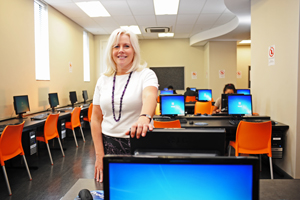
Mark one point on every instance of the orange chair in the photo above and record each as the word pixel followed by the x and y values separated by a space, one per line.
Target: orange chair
pixel 157 109
pixel 203 107
pixel 89 116
pixel 158 99
pixel 10 147
pixel 171 124
pixel 190 98
pixel 50 132
pixel 75 122
pixel 253 138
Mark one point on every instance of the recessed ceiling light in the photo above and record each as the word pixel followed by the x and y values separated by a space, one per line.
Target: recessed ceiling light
pixel 135 29
pixel 166 7
pixel 93 9
pixel 166 35
pixel 245 42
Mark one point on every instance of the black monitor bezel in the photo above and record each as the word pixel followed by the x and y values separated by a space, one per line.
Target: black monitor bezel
pixel 243 89
pixel 70 96
pixel 15 98
pixel 85 95
pixel 222 160
pixel 239 115
pixel 170 115
pixel 198 94
pixel 50 102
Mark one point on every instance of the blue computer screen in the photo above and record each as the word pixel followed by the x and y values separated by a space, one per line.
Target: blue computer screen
pixel 166 92
pixel 172 105
pixel 239 104
pixel 180 181
pixel 193 89
pixel 243 91
pixel 204 95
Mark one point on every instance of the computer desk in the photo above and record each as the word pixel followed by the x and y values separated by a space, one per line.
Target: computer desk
pixel 278 130
pixel 268 189
pixel 30 127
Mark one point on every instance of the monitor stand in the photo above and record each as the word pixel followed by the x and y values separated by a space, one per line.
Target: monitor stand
pixel 20 116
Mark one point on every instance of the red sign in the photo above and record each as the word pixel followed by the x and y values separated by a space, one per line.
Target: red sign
pixel 271 52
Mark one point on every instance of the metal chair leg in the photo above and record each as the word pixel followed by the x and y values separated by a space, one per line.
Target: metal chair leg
pixel 229 151
pixel 49 153
pixel 82 134
pixel 6 180
pixel 260 162
pixel 62 150
pixel 271 167
pixel 75 138
pixel 27 168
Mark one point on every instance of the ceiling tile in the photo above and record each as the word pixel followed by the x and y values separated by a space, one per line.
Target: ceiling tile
pixel 117 7
pixel 98 31
pixel 70 10
pixel 125 20
pixel 166 20
pixel 186 19
pixel 86 22
pixel 106 21
pixel 144 7
pixel 184 28
pixel 181 35
pixel 190 6
pixel 207 18
pixel 147 20
pixel 214 6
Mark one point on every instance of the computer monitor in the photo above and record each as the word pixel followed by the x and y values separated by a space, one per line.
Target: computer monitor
pixel 21 105
pixel 193 89
pixel 73 98
pixel 132 177
pixel 243 91
pixel 166 89
pixel 204 95
pixel 166 92
pixel 239 105
pixel 172 105
pixel 85 96
pixel 181 142
pixel 53 100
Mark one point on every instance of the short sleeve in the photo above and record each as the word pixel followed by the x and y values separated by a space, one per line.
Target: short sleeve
pixel 218 103
pixel 150 79
pixel 96 98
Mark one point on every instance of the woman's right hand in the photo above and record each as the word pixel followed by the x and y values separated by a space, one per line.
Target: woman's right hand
pixel 99 168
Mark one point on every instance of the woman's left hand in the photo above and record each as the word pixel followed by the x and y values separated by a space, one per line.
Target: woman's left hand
pixel 140 128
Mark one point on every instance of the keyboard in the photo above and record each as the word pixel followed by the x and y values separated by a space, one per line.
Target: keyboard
pixel 234 121
pixel 41 116
pixel 85 105
pixel 65 109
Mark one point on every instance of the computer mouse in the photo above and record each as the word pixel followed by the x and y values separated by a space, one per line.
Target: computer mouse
pixel 191 122
pixel 205 114
pixel 85 194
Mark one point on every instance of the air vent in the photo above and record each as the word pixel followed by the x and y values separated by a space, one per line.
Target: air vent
pixel 157 29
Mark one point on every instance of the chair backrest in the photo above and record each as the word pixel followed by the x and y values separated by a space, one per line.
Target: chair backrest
pixel 254 138
pixel 11 142
pixel 190 98
pixel 170 124
pixel 203 107
pixel 50 128
pixel 90 111
pixel 158 99
pixel 75 117
pixel 157 110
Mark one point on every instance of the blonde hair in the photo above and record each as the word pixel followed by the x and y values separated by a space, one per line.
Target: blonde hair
pixel 112 41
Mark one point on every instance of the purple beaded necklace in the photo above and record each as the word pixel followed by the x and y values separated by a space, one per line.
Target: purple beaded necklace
pixel 121 99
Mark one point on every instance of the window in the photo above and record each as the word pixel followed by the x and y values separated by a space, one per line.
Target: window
pixel 86 57
pixel 42 71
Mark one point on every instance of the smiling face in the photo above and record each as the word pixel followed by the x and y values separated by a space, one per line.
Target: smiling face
pixel 123 54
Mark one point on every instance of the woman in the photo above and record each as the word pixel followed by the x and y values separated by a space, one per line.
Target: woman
pixel 124 98
pixel 228 89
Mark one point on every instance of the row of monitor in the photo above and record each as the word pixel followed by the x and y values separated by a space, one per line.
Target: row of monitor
pixel 21 103
pixel 174 105
pixel 205 94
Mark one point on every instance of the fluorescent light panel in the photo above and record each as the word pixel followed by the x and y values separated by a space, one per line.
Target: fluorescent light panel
pixel 93 9
pixel 166 7
pixel 135 29
pixel 166 35
pixel 245 42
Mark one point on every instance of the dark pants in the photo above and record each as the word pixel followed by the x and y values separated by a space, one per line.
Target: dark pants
pixel 116 146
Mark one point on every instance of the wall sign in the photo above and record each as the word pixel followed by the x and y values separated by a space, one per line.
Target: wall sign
pixel 271 55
